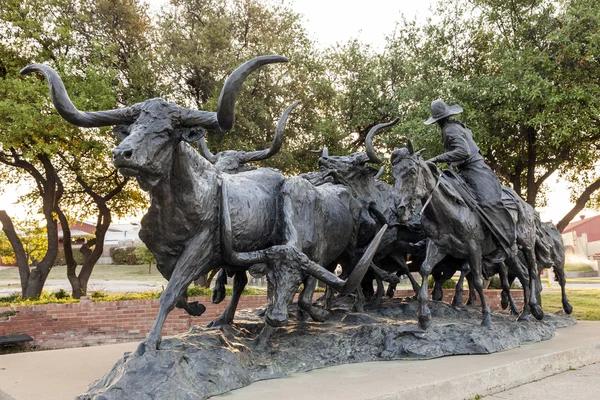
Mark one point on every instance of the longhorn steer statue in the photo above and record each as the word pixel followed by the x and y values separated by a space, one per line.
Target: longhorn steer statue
pixel 182 227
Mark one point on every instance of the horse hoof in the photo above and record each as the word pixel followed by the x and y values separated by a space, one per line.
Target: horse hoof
pixel 514 312
pixel 487 321
pixel 568 308
pixel 523 317
pixel 424 322
pixel 537 312
pixel 302 315
pixel 457 302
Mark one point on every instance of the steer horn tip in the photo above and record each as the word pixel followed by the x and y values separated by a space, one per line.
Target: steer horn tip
pixel 29 69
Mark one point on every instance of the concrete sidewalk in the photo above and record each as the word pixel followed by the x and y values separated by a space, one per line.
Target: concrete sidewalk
pixel 62 374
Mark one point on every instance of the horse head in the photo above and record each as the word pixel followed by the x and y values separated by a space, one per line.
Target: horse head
pixel 414 179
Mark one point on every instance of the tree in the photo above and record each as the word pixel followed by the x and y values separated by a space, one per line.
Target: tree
pixel 201 41
pixel 145 256
pixel 527 74
pixel 62 159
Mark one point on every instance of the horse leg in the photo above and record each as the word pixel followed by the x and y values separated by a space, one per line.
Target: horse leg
pixel 520 271
pixel 457 300
pixel 437 293
pixel 433 257
pixel 534 281
pixel 404 270
pixel 379 292
pixel 472 300
pixel 476 271
pixel 240 281
pixel 503 272
pixel 559 272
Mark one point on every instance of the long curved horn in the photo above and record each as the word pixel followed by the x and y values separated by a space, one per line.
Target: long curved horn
pixel 70 113
pixel 324 152
pixel 258 155
pixel 224 118
pixel 380 172
pixel 357 274
pixel 373 157
pixel 233 257
pixel 205 151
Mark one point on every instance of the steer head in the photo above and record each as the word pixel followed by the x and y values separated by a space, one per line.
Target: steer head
pixel 151 130
pixel 353 167
pixel 232 161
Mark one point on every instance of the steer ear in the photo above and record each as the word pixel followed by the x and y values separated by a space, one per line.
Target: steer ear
pixel 192 134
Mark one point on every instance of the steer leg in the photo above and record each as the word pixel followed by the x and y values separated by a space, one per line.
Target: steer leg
pixel 240 281
pixel 219 292
pixel 193 262
pixel 305 300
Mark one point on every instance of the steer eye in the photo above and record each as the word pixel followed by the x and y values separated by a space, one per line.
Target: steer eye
pixel 121 131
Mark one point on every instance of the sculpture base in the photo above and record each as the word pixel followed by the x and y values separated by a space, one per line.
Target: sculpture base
pixel 205 362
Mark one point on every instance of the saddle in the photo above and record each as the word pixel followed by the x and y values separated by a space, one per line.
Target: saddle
pixel 504 244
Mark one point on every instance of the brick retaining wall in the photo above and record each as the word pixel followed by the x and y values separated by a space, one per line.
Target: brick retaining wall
pixel 88 323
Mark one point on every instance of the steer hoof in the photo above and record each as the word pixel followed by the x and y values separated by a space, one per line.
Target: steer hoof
pixel 319 315
pixel 195 309
pixel 221 321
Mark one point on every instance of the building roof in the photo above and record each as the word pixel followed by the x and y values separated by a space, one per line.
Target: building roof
pixel 589 226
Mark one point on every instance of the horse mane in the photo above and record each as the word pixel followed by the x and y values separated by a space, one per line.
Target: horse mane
pixel 449 190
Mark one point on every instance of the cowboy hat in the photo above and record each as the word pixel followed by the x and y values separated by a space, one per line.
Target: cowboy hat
pixel 440 110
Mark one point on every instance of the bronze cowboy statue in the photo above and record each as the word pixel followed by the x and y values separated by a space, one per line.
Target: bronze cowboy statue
pixel 481 182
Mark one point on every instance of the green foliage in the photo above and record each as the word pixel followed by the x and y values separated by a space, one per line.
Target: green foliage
pixel 527 75
pixel 196 291
pixel 62 296
pixel 61 260
pixel 201 42
pixel 33 237
pixel 7 255
pixel 6 314
pixel 449 284
pixel 126 256
pixel 44 298
pixel 143 255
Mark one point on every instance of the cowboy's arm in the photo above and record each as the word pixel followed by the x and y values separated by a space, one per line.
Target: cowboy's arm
pixel 457 146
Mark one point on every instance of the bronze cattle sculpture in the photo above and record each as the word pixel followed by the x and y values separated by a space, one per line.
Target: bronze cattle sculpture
pixel 182 227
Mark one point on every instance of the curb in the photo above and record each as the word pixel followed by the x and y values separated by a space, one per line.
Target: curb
pixel 512 375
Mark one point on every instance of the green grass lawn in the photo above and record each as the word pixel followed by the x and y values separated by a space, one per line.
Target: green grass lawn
pixel 578 267
pixel 108 272
pixel 586 303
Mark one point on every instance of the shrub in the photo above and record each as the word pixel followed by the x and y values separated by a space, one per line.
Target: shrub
pixel 124 256
pixel 449 284
pixel 62 260
pixel 62 294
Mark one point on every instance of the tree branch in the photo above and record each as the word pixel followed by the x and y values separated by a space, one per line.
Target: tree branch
pixel 579 205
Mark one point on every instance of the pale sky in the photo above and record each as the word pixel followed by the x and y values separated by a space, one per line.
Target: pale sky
pixel 332 21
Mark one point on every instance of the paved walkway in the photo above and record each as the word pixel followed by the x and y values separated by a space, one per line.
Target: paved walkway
pixel 576 384
pixel 62 374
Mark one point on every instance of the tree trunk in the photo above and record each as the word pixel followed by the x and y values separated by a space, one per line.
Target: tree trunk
pixel 531 164
pixel 69 258
pixel 50 188
pixel 579 205
pixel 15 242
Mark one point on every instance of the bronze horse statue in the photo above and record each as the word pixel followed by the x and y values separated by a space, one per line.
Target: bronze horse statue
pixel 454 229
